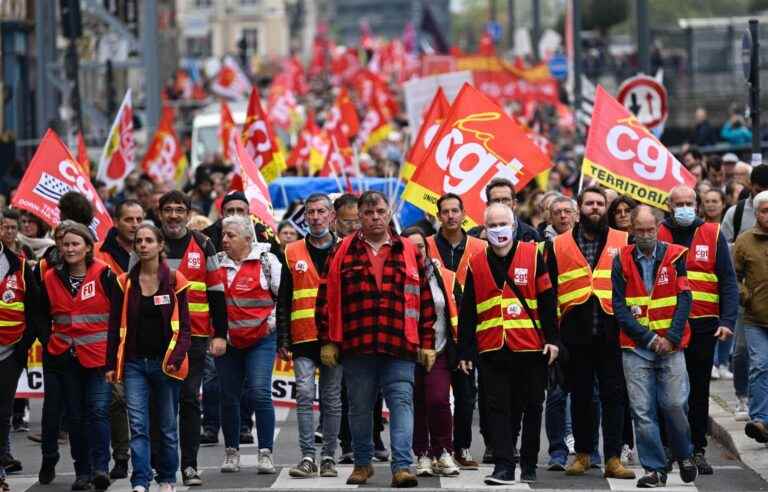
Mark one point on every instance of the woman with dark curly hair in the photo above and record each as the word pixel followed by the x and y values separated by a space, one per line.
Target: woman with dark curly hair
pixel 618 212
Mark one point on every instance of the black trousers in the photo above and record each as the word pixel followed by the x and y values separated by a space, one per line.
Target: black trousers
pixel 599 359
pixel 345 436
pixel 54 418
pixel 10 370
pixel 699 357
pixel 464 396
pixel 514 389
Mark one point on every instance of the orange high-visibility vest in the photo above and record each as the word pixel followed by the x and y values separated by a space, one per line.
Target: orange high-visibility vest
pixel 107 259
pixel 12 295
pixel 181 373
pixel 248 306
pixel 473 247
pixel 306 282
pixel 700 263
pixel 195 269
pixel 656 309
pixel 449 282
pixel 502 319
pixel 80 320
pixel 576 281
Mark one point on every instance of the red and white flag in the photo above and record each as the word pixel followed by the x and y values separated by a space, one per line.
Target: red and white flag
pixel 165 161
pixel 259 140
pixel 117 158
pixel 52 172
pixel 228 134
pixel 254 186
pixel 82 154
pixel 231 81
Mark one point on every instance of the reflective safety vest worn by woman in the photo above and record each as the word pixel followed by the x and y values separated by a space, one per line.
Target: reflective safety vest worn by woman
pixel 502 317
pixel 13 290
pixel 576 281
pixel 653 310
pixel 249 305
pixel 700 264
pixel 79 321
pixel 473 247
pixel 306 282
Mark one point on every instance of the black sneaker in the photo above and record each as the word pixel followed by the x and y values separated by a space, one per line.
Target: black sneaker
pixel 380 452
pixel 318 437
pixel 701 463
pixel 488 455
pixel 210 438
pixel 305 469
pixel 120 470
pixel 81 483
pixel 688 470
pixel 501 476
pixel 11 464
pixel 100 481
pixel 347 458
pixel 528 474
pixel 20 425
pixel 246 437
pixel 652 480
pixel 47 472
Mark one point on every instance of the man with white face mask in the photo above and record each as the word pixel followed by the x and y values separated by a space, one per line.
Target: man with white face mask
pixel 715 301
pixel 507 322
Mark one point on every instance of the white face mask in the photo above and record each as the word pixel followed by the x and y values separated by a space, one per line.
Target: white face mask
pixel 501 235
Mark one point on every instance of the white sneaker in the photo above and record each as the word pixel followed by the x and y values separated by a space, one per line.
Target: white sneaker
pixel 715 373
pixel 570 441
pixel 725 373
pixel 265 466
pixel 231 462
pixel 424 466
pixel 742 410
pixel 167 487
pixel 445 466
pixel 627 455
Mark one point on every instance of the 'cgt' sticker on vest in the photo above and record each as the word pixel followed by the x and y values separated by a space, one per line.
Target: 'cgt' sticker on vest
pixel 613 251
pixel 301 266
pixel 514 310
pixel 244 284
pixel 521 276
pixel 663 276
pixel 702 252
pixel 8 296
pixel 194 260
pixel 89 290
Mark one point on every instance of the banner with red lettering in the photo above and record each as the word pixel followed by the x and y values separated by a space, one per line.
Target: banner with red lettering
pixel 476 143
pixel 260 142
pixel 117 158
pixel 431 122
pixel 165 160
pixel 52 172
pixel 623 155
pixel 254 186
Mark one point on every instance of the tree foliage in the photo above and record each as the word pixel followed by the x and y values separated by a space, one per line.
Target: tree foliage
pixel 601 15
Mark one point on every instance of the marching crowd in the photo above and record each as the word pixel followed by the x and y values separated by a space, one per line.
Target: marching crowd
pixel 589 313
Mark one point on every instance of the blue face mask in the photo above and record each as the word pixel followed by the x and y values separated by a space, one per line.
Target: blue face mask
pixel 685 216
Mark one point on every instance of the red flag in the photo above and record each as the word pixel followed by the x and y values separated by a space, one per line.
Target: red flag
pixel 117 158
pixel 254 186
pixel 165 160
pixel 476 143
pixel 374 127
pixel 82 155
pixel 433 118
pixel 343 115
pixel 282 105
pixel 228 133
pixel 231 81
pixel 259 140
pixel 300 153
pixel 625 156
pixel 52 172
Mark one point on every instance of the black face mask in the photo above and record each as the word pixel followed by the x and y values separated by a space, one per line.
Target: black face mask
pixel 591 227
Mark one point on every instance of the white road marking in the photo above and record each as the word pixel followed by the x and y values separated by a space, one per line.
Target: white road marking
pixel 473 479
pixel 286 482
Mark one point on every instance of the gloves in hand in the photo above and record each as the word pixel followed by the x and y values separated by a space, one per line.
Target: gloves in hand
pixel 427 358
pixel 329 355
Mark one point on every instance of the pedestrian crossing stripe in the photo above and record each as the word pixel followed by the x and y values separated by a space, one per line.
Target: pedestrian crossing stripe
pixel 674 482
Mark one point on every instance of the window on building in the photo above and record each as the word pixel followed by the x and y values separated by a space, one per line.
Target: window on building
pixel 202 4
pixel 251 40
pixel 201 47
pixel 249 3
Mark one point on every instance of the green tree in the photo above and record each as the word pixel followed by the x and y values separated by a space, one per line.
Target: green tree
pixel 601 15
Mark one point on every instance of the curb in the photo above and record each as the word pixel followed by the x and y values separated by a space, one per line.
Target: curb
pixel 730 434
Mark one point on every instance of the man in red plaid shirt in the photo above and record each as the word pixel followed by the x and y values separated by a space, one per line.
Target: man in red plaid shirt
pixel 376 310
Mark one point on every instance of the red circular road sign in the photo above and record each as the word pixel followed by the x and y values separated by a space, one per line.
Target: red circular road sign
pixel 646 98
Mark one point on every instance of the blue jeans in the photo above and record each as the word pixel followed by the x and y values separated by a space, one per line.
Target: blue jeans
pixel 330 405
pixel 252 366
pixel 658 383
pixel 740 358
pixel 144 379
pixel 757 341
pixel 212 399
pixel 723 352
pixel 365 376
pixel 558 423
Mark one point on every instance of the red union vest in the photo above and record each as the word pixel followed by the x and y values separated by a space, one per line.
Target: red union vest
pixel 248 306
pixel 449 282
pixel 12 295
pixel 702 256
pixel 411 292
pixel 306 282
pixel 107 259
pixel 80 320
pixel 576 281
pixel 473 247
pixel 179 284
pixel 655 310
pixel 194 268
pixel 502 319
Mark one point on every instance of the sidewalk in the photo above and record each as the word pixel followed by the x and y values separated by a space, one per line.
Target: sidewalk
pixel 730 433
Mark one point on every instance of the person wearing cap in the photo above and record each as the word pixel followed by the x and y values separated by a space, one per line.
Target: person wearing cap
pixel 729 164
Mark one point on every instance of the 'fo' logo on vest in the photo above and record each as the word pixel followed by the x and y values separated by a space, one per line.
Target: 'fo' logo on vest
pixel 89 290
pixel 702 252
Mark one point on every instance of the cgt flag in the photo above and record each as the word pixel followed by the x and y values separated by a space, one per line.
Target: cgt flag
pixel 260 142
pixel 52 172
pixel 625 156
pixel 165 160
pixel 228 133
pixel 117 158
pixel 476 143
pixel 432 120
pixel 254 186
pixel 82 154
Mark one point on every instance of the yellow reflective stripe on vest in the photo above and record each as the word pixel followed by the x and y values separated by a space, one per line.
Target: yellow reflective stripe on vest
pixel 601 274
pixel 511 324
pixel 10 323
pixel 663 302
pixel 304 293
pixel 198 307
pixel 705 296
pixel 603 294
pixel 488 304
pixel 532 303
pixel 200 286
pixel 568 297
pixel 302 314
pixel 572 274
pixel 702 276
pixel 489 323
pixel 660 324
pixel 14 306
pixel 454 321
pixel 637 301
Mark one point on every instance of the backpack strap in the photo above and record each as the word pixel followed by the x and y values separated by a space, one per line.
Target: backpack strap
pixel 738 215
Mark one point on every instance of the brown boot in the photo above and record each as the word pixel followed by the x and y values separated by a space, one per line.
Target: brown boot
pixel 403 478
pixel 580 465
pixel 614 469
pixel 360 475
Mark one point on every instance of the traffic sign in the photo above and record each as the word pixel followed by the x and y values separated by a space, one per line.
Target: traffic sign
pixel 558 67
pixel 646 98
pixel 493 29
